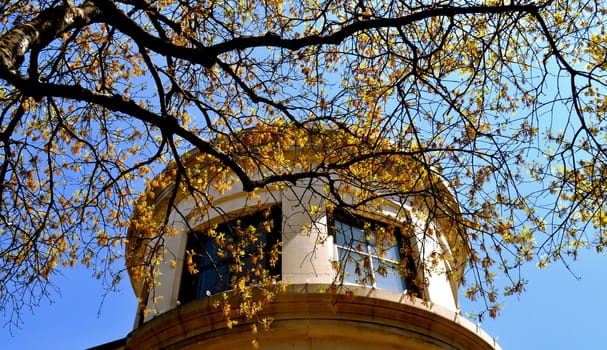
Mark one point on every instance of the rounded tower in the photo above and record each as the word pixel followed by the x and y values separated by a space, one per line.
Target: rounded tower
pixel 290 266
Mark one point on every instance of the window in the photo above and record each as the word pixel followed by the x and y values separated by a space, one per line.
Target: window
pixel 242 249
pixel 372 254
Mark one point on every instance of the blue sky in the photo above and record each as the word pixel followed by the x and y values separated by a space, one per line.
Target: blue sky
pixel 78 319
pixel 558 311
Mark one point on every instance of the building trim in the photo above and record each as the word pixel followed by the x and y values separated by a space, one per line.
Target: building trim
pixel 308 315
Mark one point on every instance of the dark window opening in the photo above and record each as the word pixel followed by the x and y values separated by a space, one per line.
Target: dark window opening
pixel 241 250
pixel 374 254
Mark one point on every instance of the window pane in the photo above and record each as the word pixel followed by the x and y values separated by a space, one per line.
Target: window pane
pixel 353 265
pixel 349 236
pixel 213 254
pixel 392 253
pixel 387 243
pixel 387 276
pixel 252 236
pixel 214 279
pixel 364 258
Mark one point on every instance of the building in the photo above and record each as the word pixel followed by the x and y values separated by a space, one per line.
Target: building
pixel 284 268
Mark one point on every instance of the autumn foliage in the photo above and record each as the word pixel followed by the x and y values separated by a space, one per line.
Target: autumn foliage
pixel 503 101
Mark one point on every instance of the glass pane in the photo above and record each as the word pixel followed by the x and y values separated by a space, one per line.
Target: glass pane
pixel 354 270
pixel 214 279
pixel 387 276
pixel 213 254
pixel 249 235
pixel 349 236
pixel 387 243
pixel 392 253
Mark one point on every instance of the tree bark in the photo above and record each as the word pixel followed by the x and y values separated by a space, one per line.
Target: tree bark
pixel 40 31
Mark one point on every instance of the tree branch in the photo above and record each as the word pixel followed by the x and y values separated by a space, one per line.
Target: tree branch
pixel 273 40
pixel 43 29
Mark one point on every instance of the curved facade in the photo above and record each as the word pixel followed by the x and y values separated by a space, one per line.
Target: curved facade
pixel 304 318
pixel 322 298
